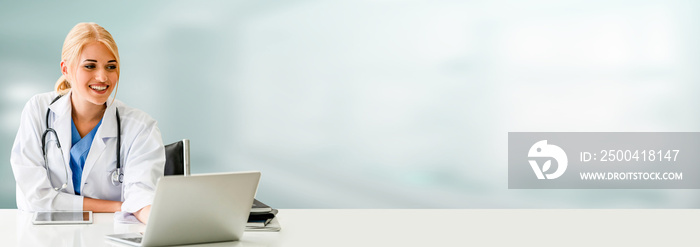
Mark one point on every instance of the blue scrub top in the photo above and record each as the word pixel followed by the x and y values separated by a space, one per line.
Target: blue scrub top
pixel 79 152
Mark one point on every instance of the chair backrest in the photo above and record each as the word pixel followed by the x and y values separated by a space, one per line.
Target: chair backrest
pixel 177 158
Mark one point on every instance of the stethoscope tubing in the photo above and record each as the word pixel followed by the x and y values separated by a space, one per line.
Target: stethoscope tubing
pixel 117 176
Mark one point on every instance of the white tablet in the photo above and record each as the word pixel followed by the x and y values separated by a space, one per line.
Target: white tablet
pixel 62 217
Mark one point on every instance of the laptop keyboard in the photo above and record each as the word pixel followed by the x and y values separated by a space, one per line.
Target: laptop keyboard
pixel 135 240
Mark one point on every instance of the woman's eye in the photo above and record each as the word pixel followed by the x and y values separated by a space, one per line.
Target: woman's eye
pixel 111 67
pixel 89 66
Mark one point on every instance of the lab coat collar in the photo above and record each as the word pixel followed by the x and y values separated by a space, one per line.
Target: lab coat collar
pixel 62 108
pixel 108 129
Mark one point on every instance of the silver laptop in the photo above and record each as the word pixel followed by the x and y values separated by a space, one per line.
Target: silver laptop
pixel 197 209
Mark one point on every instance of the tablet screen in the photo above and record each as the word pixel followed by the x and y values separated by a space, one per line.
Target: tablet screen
pixel 63 217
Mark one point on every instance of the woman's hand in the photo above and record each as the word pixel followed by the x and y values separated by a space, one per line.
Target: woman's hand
pixel 101 206
pixel 143 214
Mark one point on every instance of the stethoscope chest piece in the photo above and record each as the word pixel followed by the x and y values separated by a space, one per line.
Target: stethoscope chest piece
pixel 117 177
pixel 63 186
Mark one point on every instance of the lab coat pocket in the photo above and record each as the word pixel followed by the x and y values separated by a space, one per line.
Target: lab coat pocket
pixel 110 189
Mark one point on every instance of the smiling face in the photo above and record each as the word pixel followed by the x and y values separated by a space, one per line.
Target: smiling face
pixel 94 75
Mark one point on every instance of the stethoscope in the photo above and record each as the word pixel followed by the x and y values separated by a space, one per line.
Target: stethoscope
pixel 117 175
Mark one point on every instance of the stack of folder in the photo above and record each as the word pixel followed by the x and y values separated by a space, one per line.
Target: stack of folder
pixel 262 218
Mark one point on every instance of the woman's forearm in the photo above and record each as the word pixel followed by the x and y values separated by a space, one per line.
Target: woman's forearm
pixel 106 206
pixel 143 214
pixel 101 206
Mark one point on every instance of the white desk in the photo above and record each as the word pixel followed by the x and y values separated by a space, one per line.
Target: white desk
pixel 396 227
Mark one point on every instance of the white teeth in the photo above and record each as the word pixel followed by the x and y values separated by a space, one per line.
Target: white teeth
pixel 99 88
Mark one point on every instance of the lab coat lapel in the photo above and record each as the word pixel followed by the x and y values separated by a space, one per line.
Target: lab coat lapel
pixel 61 123
pixel 107 130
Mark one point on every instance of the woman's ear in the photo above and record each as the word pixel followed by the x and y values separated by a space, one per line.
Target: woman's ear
pixel 64 68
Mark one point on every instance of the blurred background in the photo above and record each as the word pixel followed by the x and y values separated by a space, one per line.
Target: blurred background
pixel 377 104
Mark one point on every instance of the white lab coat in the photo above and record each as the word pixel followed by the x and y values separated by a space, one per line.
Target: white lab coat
pixel 142 157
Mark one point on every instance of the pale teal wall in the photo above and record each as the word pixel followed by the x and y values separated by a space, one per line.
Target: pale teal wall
pixel 378 104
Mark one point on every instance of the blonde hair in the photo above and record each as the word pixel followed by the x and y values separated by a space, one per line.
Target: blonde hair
pixel 81 35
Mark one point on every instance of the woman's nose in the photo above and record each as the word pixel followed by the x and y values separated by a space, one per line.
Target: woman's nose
pixel 101 76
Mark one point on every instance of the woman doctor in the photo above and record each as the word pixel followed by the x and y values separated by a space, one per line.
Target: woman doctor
pixel 71 142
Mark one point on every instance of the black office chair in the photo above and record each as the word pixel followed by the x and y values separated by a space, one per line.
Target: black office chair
pixel 177 158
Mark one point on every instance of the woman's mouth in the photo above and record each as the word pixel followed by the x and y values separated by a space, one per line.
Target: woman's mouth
pixel 100 89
